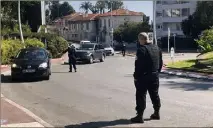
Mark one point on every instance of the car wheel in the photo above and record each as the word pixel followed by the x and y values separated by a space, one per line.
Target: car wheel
pixel 102 58
pixel 113 54
pixel 91 59
pixel 47 77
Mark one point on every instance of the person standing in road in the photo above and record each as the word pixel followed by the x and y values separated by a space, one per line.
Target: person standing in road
pixel 148 64
pixel 72 58
pixel 123 49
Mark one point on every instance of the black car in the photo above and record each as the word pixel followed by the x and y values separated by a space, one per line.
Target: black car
pixel 90 52
pixel 31 62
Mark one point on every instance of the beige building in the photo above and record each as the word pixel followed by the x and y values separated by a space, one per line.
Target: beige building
pixel 95 27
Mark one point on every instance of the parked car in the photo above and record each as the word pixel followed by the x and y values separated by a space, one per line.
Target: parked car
pixel 109 50
pixel 31 62
pixel 90 52
pixel 118 46
pixel 85 42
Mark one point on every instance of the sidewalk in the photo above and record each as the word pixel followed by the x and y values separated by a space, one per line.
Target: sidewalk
pixel 187 74
pixel 14 115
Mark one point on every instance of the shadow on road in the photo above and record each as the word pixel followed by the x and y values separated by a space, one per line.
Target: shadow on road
pixel 100 124
pixel 191 85
pixel 7 79
pixel 78 63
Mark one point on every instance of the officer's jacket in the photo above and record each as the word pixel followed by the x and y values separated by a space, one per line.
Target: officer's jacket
pixel 148 60
pixel 71 53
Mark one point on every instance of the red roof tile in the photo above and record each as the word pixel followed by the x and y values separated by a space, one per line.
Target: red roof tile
pixel 84 17
pixel 122 12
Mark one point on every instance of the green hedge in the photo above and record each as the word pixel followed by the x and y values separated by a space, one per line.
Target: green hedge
pixel 9 48
pixel 56 45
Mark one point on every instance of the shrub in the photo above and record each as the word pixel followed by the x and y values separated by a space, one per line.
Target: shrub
pixel 33 43
pixel 9 48
pixel 206 40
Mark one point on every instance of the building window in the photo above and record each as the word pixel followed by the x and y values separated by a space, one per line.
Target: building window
pixel 185 12
pixel 159 14
pixel 87 26
pixel 175 12
pixel 109 22
pixel 82 26
pixel 159 26
pixel 158 2
pixel 184 1
pixel 100 23
pixel 167 13
pixel 172 26
pixel 104 22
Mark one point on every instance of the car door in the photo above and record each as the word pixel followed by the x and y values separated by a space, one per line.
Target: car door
pixel 97 52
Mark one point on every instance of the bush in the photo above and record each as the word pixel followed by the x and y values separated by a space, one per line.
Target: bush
pixel 9 48
pixel 33 43
pixel 206 40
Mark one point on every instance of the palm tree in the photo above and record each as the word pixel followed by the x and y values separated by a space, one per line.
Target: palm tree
pixel 94 9
pixel 86 6
pixel 101 5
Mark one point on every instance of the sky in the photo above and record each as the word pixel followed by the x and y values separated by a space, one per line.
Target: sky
pixel 138 6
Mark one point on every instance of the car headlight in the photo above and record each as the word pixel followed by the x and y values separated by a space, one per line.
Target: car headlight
pixel 43 65
pixel 14 65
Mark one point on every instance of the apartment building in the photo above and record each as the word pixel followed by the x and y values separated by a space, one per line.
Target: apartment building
pixel 94 27
pixel 170 14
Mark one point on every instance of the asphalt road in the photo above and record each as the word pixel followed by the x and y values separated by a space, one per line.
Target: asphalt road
pixel 103 94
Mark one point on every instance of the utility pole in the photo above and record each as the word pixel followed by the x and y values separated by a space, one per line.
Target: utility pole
pixel 111 25
pixel 19 21
pixel 168 38
pixel 43 19
pixel 154 22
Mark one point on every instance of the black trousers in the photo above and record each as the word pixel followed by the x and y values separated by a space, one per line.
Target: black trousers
pixel 72 64
pixel 148 83
pixel 123 52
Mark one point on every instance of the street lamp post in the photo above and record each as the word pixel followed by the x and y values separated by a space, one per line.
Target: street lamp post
pixel 174 42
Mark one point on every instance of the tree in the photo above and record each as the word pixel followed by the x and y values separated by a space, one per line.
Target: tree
pixel 59 10
pixel 118 4
pixel 206 40
pixel 200 20
pixel 66 9
pixel 86 6
pixel 129 31
pixel 101 5
pixel 94 9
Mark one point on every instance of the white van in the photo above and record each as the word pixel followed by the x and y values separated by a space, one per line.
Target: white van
pixel 84 42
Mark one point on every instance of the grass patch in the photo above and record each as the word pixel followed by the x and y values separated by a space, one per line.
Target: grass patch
pixel 203 64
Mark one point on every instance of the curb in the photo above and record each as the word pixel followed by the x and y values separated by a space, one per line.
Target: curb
pixel 187 75
pixel 38 119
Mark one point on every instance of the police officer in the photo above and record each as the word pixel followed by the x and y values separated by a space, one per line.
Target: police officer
pixel 123 49
pixel 148 64
pixel 72 58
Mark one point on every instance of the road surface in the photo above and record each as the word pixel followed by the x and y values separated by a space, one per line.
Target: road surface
pixel 103 95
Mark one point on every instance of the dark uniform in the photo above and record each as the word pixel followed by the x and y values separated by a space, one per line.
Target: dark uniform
pixel 72 58
pixel 148 64
pixel 123 49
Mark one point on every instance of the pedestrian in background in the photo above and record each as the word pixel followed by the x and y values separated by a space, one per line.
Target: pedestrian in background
pixel 72 58
pixel 123 49
pixel 148 64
